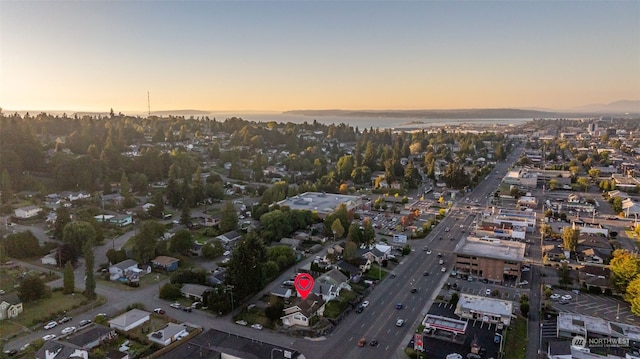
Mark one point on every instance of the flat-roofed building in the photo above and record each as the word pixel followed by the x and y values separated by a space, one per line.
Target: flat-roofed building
pixel 489 258
pixel 599 330
pixel 486 309
pixel 321 203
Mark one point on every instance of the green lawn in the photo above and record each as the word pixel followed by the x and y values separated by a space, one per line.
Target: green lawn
pixel 515 346
pixel 49 308
pixel 335 307
pixel 376 273
pixel 9 329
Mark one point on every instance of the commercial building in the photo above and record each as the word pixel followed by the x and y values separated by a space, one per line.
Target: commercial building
pixel 321 203
pixel 486 309
pixel 492 259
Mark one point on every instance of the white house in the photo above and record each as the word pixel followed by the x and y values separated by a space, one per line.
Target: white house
pixel 50 259
pixel 129 320
pixel 168 334
pixel 27 212
pixel 78 196
pixel 330 284
pixel 119 270
pixel 301 311
pixel 10 306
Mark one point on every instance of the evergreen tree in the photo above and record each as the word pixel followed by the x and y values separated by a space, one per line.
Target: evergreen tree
pixel 185 216
pixel 228 218
pixel 245 270
pixel 89 262
pixel 69 279
pixel 62 218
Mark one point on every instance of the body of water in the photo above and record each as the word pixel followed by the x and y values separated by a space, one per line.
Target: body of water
pixel 371 122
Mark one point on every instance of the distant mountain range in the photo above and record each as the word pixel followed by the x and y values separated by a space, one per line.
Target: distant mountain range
pixel 617 108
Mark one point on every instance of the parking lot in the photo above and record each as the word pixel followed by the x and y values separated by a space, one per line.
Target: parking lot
pixel 596 306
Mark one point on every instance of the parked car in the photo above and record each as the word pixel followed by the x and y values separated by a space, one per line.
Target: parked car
pixel 554 296
pixel 68 330
pixel 566 297
pixel 441 262
pixel 158 311
pixel 359 309
pixel 257 326
pixel 175 305
pixel 365 304
pixel 563 301
pixel 187 309
pixel 10 352
pixel 64 320
pixel 241 322
pixel 487 292
pixel 443 269
pixel 50 325
pixel 49 337
pixel 84 323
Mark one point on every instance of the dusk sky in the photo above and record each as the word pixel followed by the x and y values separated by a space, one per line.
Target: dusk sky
pixel 291 55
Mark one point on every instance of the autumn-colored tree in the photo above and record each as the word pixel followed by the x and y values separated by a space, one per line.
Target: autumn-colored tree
pixel 625 267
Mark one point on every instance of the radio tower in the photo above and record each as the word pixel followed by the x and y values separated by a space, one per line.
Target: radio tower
pixel 148 105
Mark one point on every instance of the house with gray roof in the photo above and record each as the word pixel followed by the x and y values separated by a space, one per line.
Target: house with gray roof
pixel 61 350
pixel 194 291
pixel 329 285
pixel 10 306
pixel 129 320
pixel 93 336
pixel 301 311
pixel 168 334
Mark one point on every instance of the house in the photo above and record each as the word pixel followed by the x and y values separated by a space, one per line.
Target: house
pixel 330 284
pixel 229 237
pixel 168 334
pixel 27 212
pixel 120 270
pixel 215 344
pixel 129 320
pixel 50 259
pixel 194 291
pixel 119 220
pixel 591 276
pixel 591 255
pixel 10 306
pixel 302 311
pixel 350 270
pixel 93 337
pixel 54 349
pixel 76 196
pixel 168 264
pixel 209 221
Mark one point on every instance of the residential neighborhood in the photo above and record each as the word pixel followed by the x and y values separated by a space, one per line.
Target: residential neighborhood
pixel 452 240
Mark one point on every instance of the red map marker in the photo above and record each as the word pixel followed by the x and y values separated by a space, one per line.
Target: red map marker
pixel 303 284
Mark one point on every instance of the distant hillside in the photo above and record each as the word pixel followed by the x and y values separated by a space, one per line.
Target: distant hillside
pixel 431 114
pixel 620 107
pixel 624 106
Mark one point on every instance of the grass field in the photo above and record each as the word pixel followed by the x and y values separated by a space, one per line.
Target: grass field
pixel 515 346
pixel 45 309
pixel 9 329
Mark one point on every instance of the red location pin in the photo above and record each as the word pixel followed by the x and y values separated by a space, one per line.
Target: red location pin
pixel 303 284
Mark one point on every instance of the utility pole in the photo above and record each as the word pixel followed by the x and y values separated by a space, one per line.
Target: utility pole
pixel 148 105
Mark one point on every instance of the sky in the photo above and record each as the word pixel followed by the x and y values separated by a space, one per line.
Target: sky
pixel 296 55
